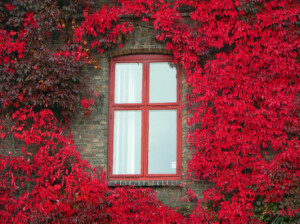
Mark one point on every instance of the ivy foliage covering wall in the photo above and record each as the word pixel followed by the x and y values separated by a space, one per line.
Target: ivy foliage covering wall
pixel 242 65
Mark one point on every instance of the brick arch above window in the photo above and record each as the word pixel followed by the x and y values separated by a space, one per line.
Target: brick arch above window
pixel 127 52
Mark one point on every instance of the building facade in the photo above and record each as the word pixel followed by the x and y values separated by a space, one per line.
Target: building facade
pixel 94 134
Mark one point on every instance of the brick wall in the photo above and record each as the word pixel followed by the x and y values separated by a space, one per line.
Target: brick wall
pixel 91 132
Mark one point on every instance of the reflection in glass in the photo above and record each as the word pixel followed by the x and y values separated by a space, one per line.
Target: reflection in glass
pixel 162 83
pixel 128 82
pixel 127 142
pixel 162 142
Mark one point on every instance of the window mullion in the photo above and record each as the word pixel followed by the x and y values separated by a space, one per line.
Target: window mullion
pixel 146 116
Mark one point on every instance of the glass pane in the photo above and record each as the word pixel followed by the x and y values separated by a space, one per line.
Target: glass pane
pixel 128 82
pixel 127 142
pixel 162 142
pixel 162 83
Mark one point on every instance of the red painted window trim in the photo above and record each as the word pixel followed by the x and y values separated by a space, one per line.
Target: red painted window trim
pixel 144 106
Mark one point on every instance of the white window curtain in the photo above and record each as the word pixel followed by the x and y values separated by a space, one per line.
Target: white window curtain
pixel 128 82
pixel 127 142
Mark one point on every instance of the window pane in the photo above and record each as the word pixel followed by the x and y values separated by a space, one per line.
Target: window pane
pixel 162 142
pixel 127 142
pixel 128 82
pixel 162 83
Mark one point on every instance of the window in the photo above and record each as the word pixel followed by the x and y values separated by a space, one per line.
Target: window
pixel 144 118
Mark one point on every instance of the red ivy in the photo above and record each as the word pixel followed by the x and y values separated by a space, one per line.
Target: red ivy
pixel 241 60
pixel 62 187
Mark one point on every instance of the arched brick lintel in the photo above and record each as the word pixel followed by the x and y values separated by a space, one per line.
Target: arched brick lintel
pixel 123 52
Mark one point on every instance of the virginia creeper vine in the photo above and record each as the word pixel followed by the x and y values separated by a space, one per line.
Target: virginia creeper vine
pixel 241 59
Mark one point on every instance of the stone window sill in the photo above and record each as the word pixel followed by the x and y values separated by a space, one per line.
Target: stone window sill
pixel 145 183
